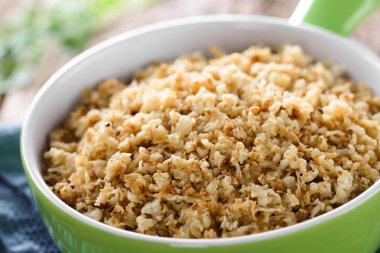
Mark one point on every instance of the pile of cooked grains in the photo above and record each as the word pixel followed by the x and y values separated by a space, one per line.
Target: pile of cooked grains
pixel 206 148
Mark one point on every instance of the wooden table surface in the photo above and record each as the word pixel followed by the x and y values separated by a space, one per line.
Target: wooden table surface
pixel 15 104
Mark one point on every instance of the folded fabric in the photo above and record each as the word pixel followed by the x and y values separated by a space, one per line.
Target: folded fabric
pixel 21 228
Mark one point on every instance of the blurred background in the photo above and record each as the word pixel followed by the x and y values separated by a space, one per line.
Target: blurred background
pixel 39 36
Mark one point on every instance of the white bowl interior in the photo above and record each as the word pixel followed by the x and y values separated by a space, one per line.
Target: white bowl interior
pixel 122 55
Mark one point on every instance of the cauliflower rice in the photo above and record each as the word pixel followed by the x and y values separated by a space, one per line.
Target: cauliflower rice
pixel 206 148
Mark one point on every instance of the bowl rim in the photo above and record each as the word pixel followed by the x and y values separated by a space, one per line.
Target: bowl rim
pixel 32 169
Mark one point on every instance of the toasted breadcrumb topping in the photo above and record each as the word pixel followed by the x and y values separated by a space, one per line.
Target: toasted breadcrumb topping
pixel 206 148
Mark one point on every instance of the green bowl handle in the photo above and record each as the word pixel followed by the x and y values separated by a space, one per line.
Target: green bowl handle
pixel 340 16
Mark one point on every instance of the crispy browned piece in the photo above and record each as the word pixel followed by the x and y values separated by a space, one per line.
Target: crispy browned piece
pixel 198 148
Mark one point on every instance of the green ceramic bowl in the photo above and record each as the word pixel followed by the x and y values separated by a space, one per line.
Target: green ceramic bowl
pixel 353 227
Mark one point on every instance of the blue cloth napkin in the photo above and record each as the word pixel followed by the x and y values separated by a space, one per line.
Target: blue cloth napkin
pixel 21 228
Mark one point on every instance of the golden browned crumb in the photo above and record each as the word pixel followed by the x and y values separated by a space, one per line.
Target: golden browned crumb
pixel 206 148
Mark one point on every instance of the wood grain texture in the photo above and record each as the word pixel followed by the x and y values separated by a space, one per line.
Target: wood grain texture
pixel 16 103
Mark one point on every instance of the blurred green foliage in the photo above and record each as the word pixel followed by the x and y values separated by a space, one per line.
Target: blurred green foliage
pixel 69 23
